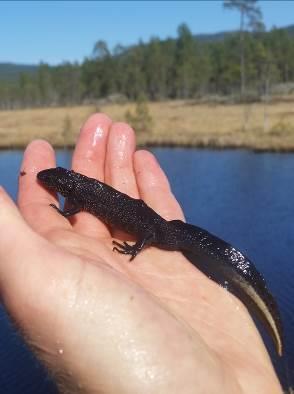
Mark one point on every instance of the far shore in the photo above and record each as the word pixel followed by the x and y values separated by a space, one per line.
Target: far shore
pixel 256 126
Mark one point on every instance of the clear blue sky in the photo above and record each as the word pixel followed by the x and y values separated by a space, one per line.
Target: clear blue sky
pixel 55 31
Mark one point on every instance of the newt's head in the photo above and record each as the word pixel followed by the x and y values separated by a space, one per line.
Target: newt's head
pixel 58 179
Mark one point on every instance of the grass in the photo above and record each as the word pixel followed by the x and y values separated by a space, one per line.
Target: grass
pixel 175 123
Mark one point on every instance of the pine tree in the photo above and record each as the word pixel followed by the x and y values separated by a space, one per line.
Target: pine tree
pixel 251 13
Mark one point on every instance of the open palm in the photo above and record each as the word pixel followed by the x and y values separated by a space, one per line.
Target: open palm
pixel 102 324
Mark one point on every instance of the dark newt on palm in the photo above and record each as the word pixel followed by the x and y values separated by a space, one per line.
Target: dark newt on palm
pixel 216 258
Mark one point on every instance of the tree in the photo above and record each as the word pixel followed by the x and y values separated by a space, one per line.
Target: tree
pixel 97 72
pixel 100 50
pixel 135 77
pixel 28 91
pixel 67 82
pixel 155 70
pixel 186 63
pixel 44 82
pixel 251 12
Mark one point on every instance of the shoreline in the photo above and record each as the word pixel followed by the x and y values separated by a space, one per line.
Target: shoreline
pixel 200 146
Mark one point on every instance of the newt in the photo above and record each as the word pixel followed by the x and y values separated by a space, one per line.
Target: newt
pixel 216 258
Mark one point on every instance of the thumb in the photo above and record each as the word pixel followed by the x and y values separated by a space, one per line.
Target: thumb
pixel 15 232
pixel 15 240
pixel 23 258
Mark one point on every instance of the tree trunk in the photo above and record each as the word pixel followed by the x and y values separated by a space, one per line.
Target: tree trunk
pixel 242 56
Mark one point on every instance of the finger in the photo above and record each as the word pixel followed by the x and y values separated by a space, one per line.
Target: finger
pixel 154 186
pixel 33 198
pixel 119 171
pixel 89 153
pixel 88 159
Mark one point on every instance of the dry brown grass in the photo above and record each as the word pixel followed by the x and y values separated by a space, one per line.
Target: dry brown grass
pixel 17 128
pixel 181 123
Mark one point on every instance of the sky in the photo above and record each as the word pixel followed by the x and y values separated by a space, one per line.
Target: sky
pixel 57 31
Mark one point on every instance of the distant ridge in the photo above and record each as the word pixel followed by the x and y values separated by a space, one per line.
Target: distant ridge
pixel 10 72
pixel 219 36
pixel 215 37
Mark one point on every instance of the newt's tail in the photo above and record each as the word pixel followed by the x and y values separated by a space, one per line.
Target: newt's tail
pixel 248 285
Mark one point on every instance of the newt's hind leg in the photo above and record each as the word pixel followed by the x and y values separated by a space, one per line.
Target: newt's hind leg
pixel 132 250
pixel 67 213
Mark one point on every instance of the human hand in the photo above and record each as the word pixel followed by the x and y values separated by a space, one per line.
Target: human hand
pixel 102 324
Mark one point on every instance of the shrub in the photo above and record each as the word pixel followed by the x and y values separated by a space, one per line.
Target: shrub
pixel 140 120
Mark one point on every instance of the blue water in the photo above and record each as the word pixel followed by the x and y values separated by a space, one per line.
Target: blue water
pixel 245 198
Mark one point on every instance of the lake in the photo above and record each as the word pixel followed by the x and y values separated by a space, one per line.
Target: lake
pixel 244 197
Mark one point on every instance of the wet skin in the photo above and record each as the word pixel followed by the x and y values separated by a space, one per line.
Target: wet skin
pixel 216 258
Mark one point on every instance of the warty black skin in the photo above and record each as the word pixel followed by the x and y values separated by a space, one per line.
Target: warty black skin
pixel 216 258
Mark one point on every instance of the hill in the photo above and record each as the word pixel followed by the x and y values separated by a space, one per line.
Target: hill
pixel 219 36
pixel 9 71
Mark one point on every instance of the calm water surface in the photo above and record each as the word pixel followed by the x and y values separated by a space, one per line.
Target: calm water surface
pixel 245 198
